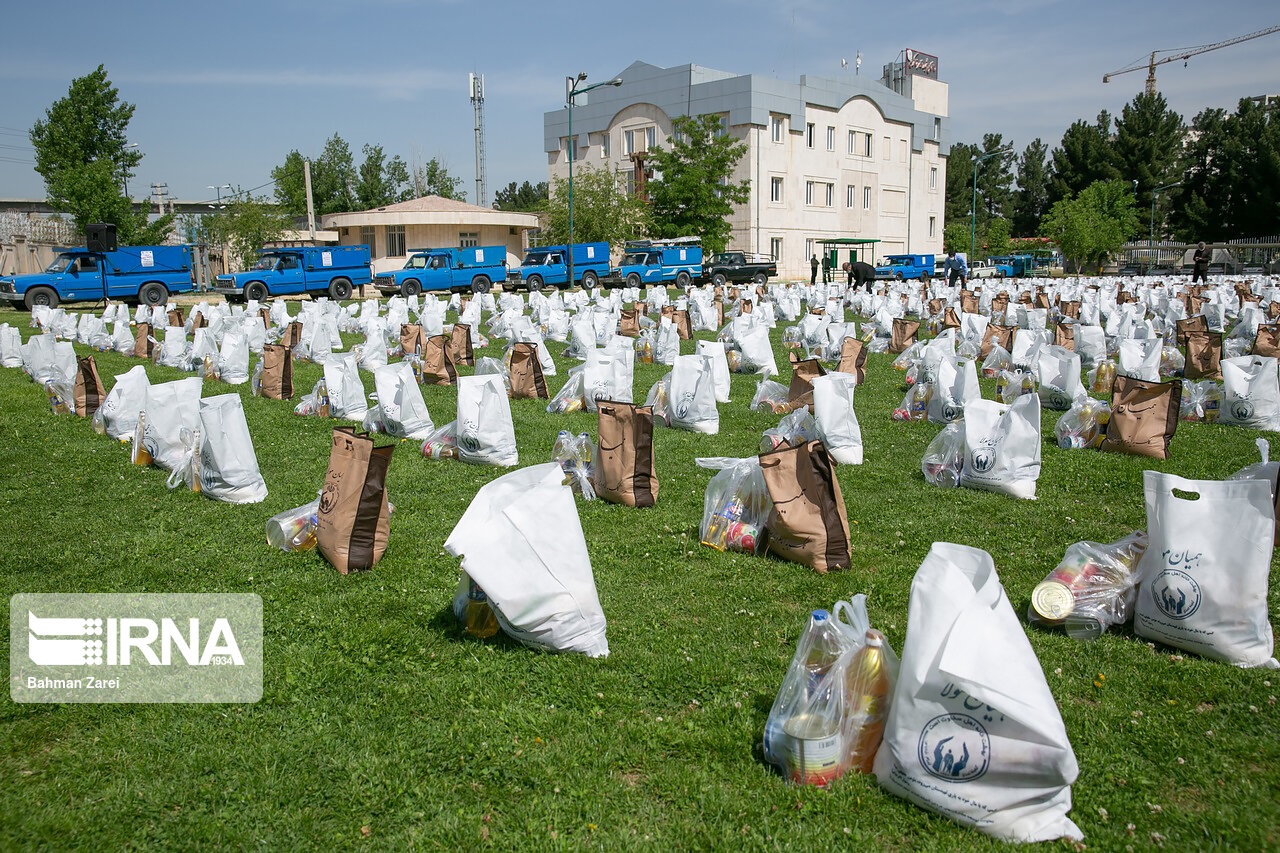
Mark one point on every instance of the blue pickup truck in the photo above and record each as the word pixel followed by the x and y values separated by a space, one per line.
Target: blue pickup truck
pixel 147 274
pixel 473 269
pixel 656 261
pixel 333 271
pixel 903 267
pixel 550 265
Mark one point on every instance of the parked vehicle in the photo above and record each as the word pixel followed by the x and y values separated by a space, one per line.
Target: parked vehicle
pixel 550 265
pixel 333 271
pixel 646 262
pixel 148 274
pixel 738 267
pixel 902 267
pixel 983 269
pixel 473 269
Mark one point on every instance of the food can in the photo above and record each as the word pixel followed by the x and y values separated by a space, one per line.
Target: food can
pixel 813 750
pixel 742 536
pixel 1053 600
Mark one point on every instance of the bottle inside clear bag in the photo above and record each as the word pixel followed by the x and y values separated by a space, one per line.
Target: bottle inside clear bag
pixel 868 690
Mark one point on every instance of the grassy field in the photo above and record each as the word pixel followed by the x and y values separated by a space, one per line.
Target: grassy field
pixel 381 724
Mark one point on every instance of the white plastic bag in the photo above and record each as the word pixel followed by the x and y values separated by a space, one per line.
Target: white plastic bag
pixel 1203 580
pixel 10 346
pixel 118 414
pixel 1140 358
pixel 404 414
pixel 346 389
pixel 1002 446
pixel 521 541
pixel 1058 374
pixel 714 350
pixel 957 385
pixel 233 359
pixel 837 423
pixel 486 435
pixel 172 412
pixel 1250 392
pixel 691 395
pixel 606 376
pixel 228 467
pixel 973 731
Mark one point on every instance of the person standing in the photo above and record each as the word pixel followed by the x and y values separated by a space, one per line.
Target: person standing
pixel 826 269
pixel 1200 263
pixel 813 270
pixel 955 267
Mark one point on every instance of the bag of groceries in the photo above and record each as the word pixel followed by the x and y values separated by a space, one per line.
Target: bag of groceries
pixel 223 460
pixel 1250 392
pixel 623 471
pixel 346 389
pixel 354 518
pixel 1091 589
pixel 1144 417
pixel 808 523
pixel 118 414
pixel 837 423
pixel 735 505
pixel 486 434
pixel 1002 446
pixel 402 411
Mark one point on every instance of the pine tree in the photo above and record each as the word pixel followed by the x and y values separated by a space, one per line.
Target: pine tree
pixel 1031 201
pixel 1148 148
pixel 1086 155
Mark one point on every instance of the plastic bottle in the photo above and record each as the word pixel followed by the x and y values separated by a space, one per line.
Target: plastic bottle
pixel 478 618
pixel 140 454
pixel 825 646
pixel 815 737
pixel 730 510
pixel 867 688
pixel 322 399
pixel 193 472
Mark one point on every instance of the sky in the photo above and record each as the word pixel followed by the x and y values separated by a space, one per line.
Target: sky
pixel 225 90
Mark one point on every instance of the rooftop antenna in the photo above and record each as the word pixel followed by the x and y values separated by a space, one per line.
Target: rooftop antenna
pixel 857 64
pixel 475 85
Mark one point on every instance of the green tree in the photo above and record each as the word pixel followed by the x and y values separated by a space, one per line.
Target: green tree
pixel 433 178
pixel 83 153
pixel 602 210
pixel 380 181
pixel 955 237
pixel 527 197
pixel 995 179
pixel 246 224
pixel 1148 148
pixel 959 186
pixel 691 192
pixel 995 239
pixel 1031 200
pixel 333 180
pixel 1092 226
pixel 1085 155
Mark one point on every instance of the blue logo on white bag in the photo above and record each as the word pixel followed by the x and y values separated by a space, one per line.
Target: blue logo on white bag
pixel 955 748
pixel 1176 594
pixel 983 460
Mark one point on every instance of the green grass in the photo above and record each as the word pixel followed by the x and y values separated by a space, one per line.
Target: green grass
pixel 380 723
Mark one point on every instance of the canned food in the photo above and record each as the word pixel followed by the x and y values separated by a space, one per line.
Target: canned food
pixel 1053 600
pixel 813 750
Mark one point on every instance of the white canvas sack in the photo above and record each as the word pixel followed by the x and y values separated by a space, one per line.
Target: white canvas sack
pixel 692 395
pixel 233 359
pixel 486 435
pixel 956 385
pixel 520 540
pixel 1140 359
pixel 118 414
pixel 10 346
pixel 1091 345
pixel 346 390
pixel 1203 578
pixel 172 411
pixel 719 367
pixel 228 466
pixel 1058 372
pixel 1250 392
pixel 404 414
pixel 173 350
pixel 973 732
pixel 757 351
pixel 1002 446
pixel 837 423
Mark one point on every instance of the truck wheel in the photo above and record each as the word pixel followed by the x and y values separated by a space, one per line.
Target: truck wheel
pixel 480 284
pixel 633 279
pixel 590 279
pixel 411 287
pixel 256 290
pixel 683 280
pixel 153 294
pixel 719 280
pixel 339 289
pixel 534 283
pixel 41 296
pixel 898 276
pixel 759 278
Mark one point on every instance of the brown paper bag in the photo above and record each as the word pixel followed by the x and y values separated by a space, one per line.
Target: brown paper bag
pixel 276 381
pixel 1041 300
pixel 526 372
pixel 199 322
pixel 1273 310
pixel 950 320
pixel 412 339
pixel 642 308
pixel 1064 335
pixel 1070 309
pixel 997 335
pixel 1144 416
pixel 808 523
pixel 460 345
pixel 88 393
pixel 1267 343
pixel 264 314
pixel 935 307
pixel 746 306
pixel 1194 303
pixel 629 323
pixel 1191 324
pixel 802 373
pixel 144 345
pixel 904 334
pixel 437 362
pixel 292 335
pixel 623 471
pixel 354 517
pixel 1204 355
pixel 853 359
pixel 1024 298
pixel 683 327
pixel 175 316
pixel 968 303
pixel 1000 303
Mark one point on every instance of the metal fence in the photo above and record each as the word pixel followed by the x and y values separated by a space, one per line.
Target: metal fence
pixel 38 228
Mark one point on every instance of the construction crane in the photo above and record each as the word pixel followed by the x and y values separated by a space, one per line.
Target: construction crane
pixel 1182 53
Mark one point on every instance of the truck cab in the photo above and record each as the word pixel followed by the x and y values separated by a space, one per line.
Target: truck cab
pixel 738 267
pixel 148 274
pixel 904 267
pixel 472 269
pixel 549 265
pixel 333 271
pixel 657 261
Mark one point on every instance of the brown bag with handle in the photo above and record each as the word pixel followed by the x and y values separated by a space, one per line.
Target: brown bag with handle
pixel 460 345
pixel 412 339
pixel 88 393
pixel 802 373
pixel 1273 310
pixel 1144 416
pixel 526 372
pixel 354 513
pixel 935 307
pixel 1204 355
pixel 292 335
pixel 808 523
pixel 629 323
pixel 264 314
pixel 1267 342
pixel 1064 335
pixel 949 319
pixel 1070 309
pixel 1041 300
pixel 968 303
pixel 1189 325
pixel 997 335
pixel 623 471
pixel 1000 303
pixel 276 382
pixel 144 342
pixel 175 316
pixel 853 359
pixel 200 322
pixel 437 362
pixel 683 327
pixel 903 335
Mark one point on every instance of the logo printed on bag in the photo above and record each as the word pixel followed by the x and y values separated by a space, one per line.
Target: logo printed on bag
pixel 951 412
pixel 983 459
pixel 1242 409
pixel 1176 593
pixel 954 748
pixel 329 498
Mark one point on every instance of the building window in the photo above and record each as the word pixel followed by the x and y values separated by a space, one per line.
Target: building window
pixel 886 153
pixel 933 177
pixel 395 241
pixel 808 192
pixel 902 149
pixel 808 134
pixel 650 138
pixel 775 190
pixel 831 138
pixel 809 249
pixel 367 238
pixel 469 239
pixel 775 248
pixel 933 224
pixel 867 149
pixel 866 198
pixel 604 146
pixel 573 148
pixel 853 142
pixel 937 128
pixel 848 196
pixel 629 142
pixel 831 195
pixel 722 127
pixel 775 127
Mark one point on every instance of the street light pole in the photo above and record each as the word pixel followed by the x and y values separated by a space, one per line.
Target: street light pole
pixel 973 212
pixel 1151 239
pixel 571 83
pixel 125 176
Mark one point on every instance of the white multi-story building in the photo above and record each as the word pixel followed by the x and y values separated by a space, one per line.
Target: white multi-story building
pixel 841 157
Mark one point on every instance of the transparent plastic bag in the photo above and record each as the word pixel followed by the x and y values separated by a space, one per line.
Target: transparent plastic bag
pixel 943 459
pixel 569 397
pixel 659 399
pixel 1010 385
pixel 489 364
pixel 735 506
pixel 771 396
pixel 1083 425
pixel 1092 588
pixel 909 356
pixel 915 405
pixel 794 429
pixel 294 529
pixel 996 362
pixel 442 443
pixel 315 403
pixel 1102 377
pixel 1172 362
pixel 576 456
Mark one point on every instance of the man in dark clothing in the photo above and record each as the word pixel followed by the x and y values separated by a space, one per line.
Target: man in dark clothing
pixel 955 268
pixel 1200 262
pixel 848 268
pixel 863 273
pixel 826 269
pixel 813 270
